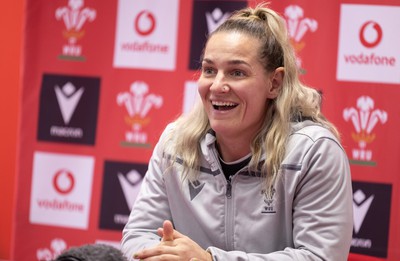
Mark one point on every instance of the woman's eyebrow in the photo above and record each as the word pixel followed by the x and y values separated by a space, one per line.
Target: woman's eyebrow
pixel 238 62
pixel 206 60
pixel 231 62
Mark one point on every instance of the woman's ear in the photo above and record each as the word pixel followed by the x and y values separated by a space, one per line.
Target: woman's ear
pixel 276 82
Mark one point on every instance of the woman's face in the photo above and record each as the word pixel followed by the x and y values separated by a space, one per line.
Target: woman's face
pixel 233 85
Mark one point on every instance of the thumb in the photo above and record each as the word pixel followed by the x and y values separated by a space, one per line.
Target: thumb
pixel 168 231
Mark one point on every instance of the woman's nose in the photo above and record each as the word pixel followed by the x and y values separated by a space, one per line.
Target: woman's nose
pixel 219 84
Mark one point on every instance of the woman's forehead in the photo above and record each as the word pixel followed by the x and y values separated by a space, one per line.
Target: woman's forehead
pixel 233 45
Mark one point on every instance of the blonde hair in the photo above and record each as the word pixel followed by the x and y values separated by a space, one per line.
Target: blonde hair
pixel 294 102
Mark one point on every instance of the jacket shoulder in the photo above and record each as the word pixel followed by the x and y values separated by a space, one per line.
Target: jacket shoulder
pixel 311 131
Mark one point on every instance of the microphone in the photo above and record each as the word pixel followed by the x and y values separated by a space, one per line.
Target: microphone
pixel 92 252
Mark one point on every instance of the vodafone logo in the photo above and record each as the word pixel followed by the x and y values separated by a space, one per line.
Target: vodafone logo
pixel 61 190
pixel 63 181
pixel 145 23
pixel 146 34
pixel 370 34
pixel 368 44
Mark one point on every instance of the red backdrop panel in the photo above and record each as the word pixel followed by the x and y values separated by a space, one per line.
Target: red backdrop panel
pixel 99 89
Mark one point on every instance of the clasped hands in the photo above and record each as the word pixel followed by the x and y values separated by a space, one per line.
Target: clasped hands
pixel 173 246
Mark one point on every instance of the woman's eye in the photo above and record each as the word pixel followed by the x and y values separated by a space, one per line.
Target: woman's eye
pixel 207 70
pixel 238 73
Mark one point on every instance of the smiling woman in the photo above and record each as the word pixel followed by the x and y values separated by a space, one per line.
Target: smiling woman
pixel 236 90
pixel 255 171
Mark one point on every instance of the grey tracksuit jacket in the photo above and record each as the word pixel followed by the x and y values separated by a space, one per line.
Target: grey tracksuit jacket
pixel 309 216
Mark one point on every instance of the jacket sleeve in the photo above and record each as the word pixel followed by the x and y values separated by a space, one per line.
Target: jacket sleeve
pixel 150 209
pixel 322 210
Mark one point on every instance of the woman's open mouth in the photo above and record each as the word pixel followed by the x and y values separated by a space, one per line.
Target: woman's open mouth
pixel 223 106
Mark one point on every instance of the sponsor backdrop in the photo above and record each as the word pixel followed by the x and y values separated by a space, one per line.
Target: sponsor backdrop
pixel 101 80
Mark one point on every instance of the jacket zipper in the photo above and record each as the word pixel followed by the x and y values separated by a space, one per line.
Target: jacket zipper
pixel 229 215
pixel 229 188
pixel 214 166
pixel 229 211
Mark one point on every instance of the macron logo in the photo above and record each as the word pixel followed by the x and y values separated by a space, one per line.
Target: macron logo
pixel 194 188
pixel 130 186
pixel 360 208
pixel 215 19
pixel 68 98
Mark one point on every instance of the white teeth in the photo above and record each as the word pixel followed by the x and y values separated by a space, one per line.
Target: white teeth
pixel 218 103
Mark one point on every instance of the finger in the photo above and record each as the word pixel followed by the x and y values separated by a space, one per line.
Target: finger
pixel 168 231
pixel 155 255
pixel 170 228
pixel 160 232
